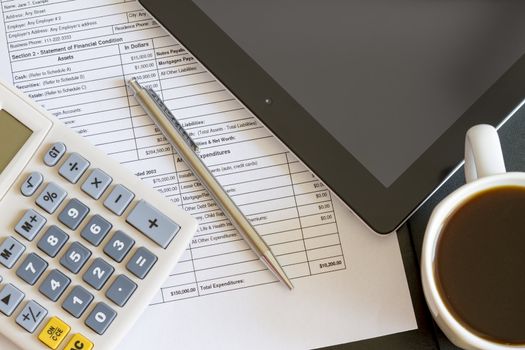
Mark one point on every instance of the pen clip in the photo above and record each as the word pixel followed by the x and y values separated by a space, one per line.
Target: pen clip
pixel 171 118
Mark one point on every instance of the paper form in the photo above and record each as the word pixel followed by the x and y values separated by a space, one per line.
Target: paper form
pixel 73 58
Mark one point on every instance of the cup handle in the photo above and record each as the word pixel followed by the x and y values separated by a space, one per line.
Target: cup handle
pixel 483 155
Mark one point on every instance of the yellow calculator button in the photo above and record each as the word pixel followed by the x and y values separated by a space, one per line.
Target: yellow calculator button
pixel 54 332
pixel 79 342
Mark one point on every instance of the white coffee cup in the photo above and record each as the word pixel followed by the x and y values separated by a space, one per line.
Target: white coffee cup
pixel 484 169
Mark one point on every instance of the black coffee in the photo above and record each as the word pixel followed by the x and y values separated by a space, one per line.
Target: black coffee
pixel 480 267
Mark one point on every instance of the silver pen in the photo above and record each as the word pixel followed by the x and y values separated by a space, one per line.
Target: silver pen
pixel 187 150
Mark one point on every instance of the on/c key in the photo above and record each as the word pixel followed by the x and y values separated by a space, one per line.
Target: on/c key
pixel 79 342
pixel 54 332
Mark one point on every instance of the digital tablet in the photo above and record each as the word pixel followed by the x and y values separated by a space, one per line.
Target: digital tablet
pixel 375 97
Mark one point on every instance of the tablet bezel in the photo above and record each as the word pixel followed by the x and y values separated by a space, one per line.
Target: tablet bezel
pixel 383 209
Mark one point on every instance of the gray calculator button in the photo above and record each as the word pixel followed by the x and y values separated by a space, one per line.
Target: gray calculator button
pixel 32 268
pixel 96 183
pixel 98 273
pixel 119 199
pixel 75 257
pixel 73 168
pixel 120 290
pixel 54 154
pixel 31 184
pixel 10 251
pixel 100 318
pixel 96 229
pixel 51 197
pixel 52 241
pixel 118 246
pixel 152 223
pixel 141 262
pixel 10 298
pixel 54 285
pixel 73 213
pixel 30 224
pixel 77 301
pixel 31 316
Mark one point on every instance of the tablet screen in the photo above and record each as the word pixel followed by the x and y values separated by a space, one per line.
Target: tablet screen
pixel 385 78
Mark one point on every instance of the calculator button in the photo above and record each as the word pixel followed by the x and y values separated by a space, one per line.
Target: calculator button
pixel 74 167
pixel 73 213
pixel 10 298
pixel 31 184
pixel 51 197
pixel 119 199
pixel 54 154
pixel 121 290
pixel 52 241
pixel 31 316
pixel 118 246
pixel 10 251
pixel 100 318
pixel 152 223
pixel 79 342
pixel 30 224
pixel 75 257
pixel 98 273
pixel 141 262
pixel 77 301
pixel 96 229
pixel 54 332
pixel 54 285
pixel 32 268
pixel 96 183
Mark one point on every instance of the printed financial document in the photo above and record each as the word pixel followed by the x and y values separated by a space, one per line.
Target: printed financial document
pixel 74 56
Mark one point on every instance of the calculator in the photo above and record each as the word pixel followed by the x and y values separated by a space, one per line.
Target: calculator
pixel 84 244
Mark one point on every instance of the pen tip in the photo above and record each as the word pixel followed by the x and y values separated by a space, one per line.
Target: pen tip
pixel 274 266
pixel 288 283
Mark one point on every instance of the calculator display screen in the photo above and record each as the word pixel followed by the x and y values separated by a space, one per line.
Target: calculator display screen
pixel 13 135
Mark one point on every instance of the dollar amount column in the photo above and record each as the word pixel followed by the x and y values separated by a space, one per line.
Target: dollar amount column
pixel 318 221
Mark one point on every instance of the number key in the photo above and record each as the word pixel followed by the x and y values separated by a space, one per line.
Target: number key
pixel 54 285
pixel 52 241
pixel 118 246
pixel 75 257
pixel 100 318
pixel 77 301
pixel 32 268
pixel 96 230
pixel 98 273
pixel 73 213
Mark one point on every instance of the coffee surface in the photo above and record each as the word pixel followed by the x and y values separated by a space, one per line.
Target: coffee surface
pixel 480 268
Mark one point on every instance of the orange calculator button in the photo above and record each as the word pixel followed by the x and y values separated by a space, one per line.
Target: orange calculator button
pixel 54 332
pixel 79 342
